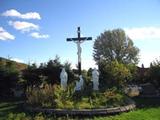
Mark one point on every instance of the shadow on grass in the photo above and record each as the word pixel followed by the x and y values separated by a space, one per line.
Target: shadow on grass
pixel 147 102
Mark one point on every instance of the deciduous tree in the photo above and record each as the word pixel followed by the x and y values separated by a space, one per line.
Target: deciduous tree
pixel 115 45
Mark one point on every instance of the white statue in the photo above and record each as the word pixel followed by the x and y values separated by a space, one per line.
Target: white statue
pixel 64 78
pixel 81 81
pixel 79 84
pixel 95 79
pixel 79 51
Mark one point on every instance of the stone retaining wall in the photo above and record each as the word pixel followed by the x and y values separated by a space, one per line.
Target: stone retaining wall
pixel 88 112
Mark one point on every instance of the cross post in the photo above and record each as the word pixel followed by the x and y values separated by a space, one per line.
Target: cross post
pixel 78 41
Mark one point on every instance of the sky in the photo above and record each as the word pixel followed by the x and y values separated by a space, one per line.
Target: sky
pixel 36 31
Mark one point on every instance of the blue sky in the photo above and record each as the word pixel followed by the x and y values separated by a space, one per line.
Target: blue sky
pixel 36 31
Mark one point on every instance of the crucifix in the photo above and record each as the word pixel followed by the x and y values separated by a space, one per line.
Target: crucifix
pixel 78 41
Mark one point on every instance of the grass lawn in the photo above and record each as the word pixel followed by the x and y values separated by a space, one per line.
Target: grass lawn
pixel 141 114
pixel 9 106
pixel 149 109
pixel 149 112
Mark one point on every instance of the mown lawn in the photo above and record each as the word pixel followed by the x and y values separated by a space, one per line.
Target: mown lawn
pixel 9 106
pixel 141 114
pixel 150 111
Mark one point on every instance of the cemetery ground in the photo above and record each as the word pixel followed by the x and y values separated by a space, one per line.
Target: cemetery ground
pixel 147 109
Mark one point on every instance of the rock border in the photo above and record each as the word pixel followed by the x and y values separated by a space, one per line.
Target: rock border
pixel 88 112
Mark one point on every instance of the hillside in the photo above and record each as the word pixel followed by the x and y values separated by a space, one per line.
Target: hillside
pixel 19 66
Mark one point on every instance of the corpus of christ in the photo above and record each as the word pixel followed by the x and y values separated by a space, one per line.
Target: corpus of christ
pixel 95 74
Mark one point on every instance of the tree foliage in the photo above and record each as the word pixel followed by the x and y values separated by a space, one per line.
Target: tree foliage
pixel 31 75
pixel 47 72
pixel 115 45
pixel 9 77
pixel 114 74
pixel 154 73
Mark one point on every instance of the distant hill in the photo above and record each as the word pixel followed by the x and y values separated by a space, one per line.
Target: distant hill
pixel 19 66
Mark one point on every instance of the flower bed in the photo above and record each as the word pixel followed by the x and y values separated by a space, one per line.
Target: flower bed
pixel 89 112
pixel 53 99
pixel 56 97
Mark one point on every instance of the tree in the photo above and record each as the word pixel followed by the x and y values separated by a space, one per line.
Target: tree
pixel 31 75
pixel 114 74
pixel 154 73
pixel 71 76
pixel 115 45
pixel 9 77
pixel 53 70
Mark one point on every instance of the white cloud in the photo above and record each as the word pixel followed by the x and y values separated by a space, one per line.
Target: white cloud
pixel 147 57
pixel 4 35
pixel 38 35
pixel 15 13
pixel 143 33
pixel 17 60
pixel 23 26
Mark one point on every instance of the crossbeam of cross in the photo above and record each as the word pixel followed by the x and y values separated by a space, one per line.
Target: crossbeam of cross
pixel 78 41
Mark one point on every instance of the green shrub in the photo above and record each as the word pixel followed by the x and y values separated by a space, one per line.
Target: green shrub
pixel 41 97
pixel 50 96
pixel 109 98
pixel 83 105
pixel 114 74
pixel 19 116
pixel 23 116
pixel 56 97
pixel 39 117
pixel 154 73
pixel 9 77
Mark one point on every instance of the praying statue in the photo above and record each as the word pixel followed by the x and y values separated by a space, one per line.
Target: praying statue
pixel 79 84
pixel 81 81
pixel 95 79
pixel 64 78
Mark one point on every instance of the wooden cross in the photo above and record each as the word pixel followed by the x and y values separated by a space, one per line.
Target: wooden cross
pixel 78 41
